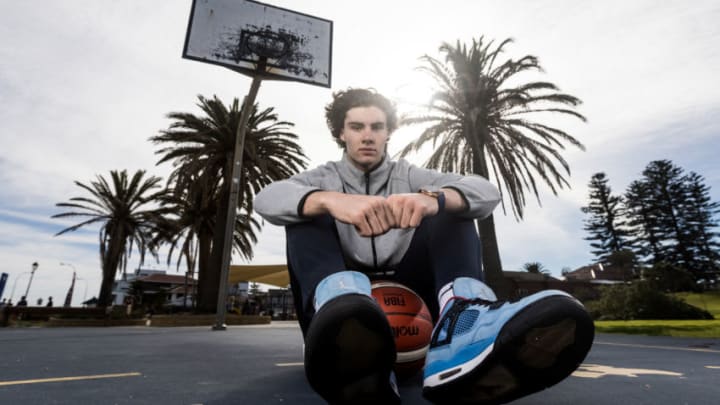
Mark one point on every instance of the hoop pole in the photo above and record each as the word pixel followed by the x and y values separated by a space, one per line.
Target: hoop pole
pixel 235 195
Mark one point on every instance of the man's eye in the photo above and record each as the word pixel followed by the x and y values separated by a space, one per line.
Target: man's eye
pixel 356 127
pixel 377 127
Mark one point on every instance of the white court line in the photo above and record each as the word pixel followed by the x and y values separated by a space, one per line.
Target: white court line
pixel 290 364
pixel 60 379
pixel 682 349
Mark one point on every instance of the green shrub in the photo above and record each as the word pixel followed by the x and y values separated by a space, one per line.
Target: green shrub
pixel 642 300
pixel 669 278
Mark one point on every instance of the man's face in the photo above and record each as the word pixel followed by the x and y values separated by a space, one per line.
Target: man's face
pixel 365 135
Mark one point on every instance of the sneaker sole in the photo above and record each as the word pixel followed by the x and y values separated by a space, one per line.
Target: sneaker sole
pixel 538 347
pixel 350 352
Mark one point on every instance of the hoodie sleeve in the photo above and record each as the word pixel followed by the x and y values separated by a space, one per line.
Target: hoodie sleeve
pixel 281 202
pixel 480 195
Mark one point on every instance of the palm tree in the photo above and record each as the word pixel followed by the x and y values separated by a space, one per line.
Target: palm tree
pixel 201 148
pixel 126 210
pixel 482 123
pixel 189 227
pixel 535 268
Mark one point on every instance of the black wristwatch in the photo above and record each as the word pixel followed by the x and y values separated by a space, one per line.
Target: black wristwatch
pixel 436 193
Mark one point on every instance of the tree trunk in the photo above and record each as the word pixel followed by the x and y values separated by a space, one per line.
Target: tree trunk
pixel 204 246
pixel 209 287
pixel 492 267
pixel 110 264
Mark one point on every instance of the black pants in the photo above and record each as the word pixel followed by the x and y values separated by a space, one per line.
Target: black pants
pixel 443 248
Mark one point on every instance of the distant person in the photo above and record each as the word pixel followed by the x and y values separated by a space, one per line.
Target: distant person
pixel 39 302
pixel 3 303
pixel 128 306
pixel 366 217
pixel 22 302
pixel 50 302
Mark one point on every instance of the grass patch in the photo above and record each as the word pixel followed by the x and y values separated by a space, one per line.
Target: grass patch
pixel 679 328
pixel 709 301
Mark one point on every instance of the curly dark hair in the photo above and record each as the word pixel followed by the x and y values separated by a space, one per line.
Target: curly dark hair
pixel 344 100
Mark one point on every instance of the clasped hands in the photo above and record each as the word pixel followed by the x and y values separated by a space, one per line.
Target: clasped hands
pixel 374 215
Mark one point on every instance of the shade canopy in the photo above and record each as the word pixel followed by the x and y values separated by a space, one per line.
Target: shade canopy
pixel 273 274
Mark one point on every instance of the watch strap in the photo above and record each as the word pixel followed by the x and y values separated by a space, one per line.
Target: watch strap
pixel 438 194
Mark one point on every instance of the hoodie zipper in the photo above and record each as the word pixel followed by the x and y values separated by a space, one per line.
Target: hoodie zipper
pixel 372 238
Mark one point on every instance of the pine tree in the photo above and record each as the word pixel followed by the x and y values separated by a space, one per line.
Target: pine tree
pixel 699 220
pixel 673 219
pixel 656 203
pixel 605 223
pixel 668 190
pixel 643 222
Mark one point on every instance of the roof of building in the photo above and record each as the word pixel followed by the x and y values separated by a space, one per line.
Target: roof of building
pixel 527 276
pixel 597 271
pixel 166 279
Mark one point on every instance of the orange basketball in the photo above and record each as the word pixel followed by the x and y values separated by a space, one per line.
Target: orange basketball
pixel 410 321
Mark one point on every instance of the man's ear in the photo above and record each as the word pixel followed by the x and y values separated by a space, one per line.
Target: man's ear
pixel 342 135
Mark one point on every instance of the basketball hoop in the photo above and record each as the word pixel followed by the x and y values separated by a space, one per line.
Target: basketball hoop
pixel 258 39
pixel 265 43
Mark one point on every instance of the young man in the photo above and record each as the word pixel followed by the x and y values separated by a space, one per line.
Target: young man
pixel 368 217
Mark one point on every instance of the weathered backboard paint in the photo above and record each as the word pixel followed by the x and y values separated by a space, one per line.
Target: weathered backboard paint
pixel 236 33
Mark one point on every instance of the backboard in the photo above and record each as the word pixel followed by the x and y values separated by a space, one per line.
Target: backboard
pixel 237 33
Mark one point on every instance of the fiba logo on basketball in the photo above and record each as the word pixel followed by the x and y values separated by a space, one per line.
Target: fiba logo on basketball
pixel 405 331
pixel 394 300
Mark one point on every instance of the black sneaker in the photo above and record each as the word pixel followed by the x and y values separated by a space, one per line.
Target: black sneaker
pixel 485 352
pixel 350 352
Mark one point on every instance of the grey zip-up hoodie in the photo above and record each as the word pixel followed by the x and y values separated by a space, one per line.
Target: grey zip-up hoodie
pixel 280 203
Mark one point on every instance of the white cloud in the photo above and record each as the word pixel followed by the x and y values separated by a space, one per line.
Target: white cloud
pixel 84 84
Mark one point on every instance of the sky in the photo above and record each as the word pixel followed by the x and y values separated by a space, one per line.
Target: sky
pixel 85 83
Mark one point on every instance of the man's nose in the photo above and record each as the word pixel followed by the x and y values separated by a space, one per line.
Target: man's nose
pixel 368 135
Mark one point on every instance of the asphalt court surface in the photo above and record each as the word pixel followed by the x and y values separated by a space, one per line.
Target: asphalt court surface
pixel 263 365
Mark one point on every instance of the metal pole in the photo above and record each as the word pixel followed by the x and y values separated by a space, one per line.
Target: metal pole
pixel 68 296
pixel 32 273
pixel 235 196
pixel 12 293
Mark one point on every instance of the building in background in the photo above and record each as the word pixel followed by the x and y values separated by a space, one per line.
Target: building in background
pixel 155 288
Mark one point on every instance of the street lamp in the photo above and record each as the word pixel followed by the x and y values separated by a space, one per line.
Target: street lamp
pixel 69 265
pixel 68 297
pixel 32 273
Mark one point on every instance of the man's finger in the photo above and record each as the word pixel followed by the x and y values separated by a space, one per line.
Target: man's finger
pixel 416 218
pixel 374 221
pixel 363 228
pixel 383 220
pixel 389 216
pixel 406 216
pixel 397 215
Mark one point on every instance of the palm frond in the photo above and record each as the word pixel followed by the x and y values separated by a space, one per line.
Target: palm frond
pixel 478 123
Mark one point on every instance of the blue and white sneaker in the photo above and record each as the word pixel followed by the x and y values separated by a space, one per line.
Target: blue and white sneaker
pixel 485 351
pixel 349 347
